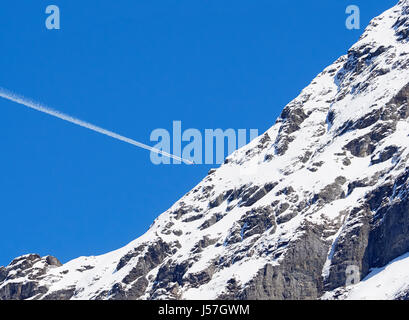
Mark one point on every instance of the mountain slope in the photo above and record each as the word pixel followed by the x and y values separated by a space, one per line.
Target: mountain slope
pixel 284 217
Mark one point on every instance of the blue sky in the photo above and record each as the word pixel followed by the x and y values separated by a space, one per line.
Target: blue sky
pixel 134 66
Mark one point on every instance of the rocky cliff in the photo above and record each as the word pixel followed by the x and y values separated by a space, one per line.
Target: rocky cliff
pixel 324 190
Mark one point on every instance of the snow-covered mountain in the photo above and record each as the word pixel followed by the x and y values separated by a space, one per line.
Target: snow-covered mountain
pixel 324 189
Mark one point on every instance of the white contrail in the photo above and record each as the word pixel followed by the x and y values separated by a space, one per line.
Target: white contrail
pixel 39 107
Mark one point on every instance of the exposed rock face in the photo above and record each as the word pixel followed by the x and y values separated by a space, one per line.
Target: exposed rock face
pixel 30 267
pixel 299 274
pixel 285 217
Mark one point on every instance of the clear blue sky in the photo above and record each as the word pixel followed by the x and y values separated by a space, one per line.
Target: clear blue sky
pixel 134 66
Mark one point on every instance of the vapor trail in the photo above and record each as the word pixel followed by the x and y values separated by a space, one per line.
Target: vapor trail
pixel 4 93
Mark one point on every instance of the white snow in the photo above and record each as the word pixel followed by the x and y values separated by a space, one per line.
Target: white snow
pixel 385 283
